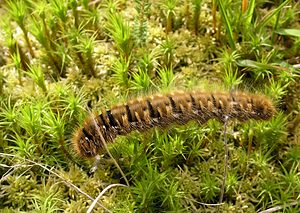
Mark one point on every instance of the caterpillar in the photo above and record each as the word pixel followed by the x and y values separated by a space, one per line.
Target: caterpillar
pixel 163 110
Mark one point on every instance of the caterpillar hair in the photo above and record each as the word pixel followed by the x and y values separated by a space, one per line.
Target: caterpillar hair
pixel 163 110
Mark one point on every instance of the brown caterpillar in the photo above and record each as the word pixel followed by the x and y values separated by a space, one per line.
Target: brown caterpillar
pixel 163 110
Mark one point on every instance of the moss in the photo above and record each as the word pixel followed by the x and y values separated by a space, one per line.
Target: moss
pixel 63 60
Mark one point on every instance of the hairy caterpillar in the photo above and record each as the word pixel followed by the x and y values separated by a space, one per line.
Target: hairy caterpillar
pixel 163 110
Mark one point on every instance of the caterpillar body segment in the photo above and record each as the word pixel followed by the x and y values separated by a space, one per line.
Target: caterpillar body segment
pixel 163 110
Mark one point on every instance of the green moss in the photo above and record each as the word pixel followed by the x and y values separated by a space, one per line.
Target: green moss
pixel 64 60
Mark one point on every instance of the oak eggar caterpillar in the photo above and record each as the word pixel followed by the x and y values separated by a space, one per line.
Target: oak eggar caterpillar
pixel 164 110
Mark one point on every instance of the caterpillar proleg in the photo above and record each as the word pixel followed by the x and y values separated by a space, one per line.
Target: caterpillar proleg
pixel 167 109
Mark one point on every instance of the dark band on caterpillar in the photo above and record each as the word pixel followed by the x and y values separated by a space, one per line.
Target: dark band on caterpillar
pixel 163 110
pixel 151 110
pixel 173 104
pixel 103 121
pixel 128 113
pixel 111 118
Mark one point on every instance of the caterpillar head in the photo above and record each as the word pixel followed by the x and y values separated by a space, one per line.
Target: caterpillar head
pixel 85 144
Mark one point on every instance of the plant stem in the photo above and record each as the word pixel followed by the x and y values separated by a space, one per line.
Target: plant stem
pixel 110 155
pixel 244 6
pixel 101 194
pixel 225 161
pixel 169 23
pixel 214 15
pixel 65 151
pixel 27 41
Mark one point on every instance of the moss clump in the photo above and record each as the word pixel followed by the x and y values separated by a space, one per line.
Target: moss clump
pixel 63 60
